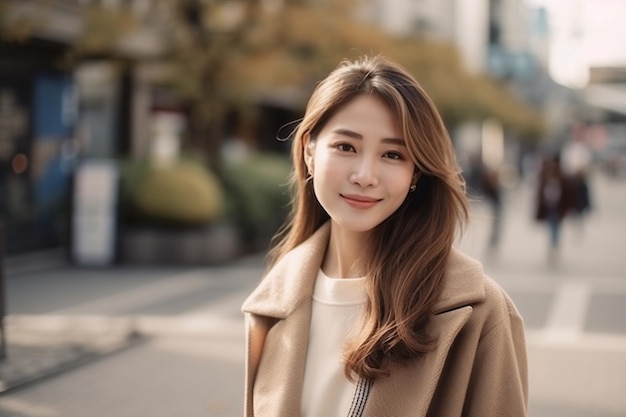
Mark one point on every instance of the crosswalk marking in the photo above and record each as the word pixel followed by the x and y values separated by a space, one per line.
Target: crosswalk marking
pixel 567 317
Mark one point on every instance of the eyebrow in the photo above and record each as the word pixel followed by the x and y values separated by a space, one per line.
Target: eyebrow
pixel 355 135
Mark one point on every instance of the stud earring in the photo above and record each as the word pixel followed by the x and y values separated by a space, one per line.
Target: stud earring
pixel 413 187
pixel 309 176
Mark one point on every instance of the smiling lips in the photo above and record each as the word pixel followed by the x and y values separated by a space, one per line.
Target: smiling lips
pixel 359 201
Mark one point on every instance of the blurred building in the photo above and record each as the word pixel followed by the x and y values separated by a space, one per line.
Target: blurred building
pixel 492 36
pixel 605 128
pixel 504 39
pixel 109 105
pixel 38 111
pixel 52 114
pixel 463 23
pixel 606 92
pixel 508 40
pixel 586 54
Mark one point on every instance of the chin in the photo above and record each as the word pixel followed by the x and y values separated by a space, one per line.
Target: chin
pixel 356 226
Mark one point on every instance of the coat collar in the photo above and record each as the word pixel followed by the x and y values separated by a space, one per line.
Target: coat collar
pixel 292 279
pixel 284 296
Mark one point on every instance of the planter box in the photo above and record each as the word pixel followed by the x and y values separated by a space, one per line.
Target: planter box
pixel 203 246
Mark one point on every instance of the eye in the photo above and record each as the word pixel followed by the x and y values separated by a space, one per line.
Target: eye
pixel 344 147
pixel 393 155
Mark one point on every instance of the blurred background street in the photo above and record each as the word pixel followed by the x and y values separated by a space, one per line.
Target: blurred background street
pixel 144 157
pixel 187 358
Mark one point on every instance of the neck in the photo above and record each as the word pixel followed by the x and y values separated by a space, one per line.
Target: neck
pixel 345 250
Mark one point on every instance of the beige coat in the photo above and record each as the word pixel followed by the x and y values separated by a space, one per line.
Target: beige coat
pixel 479 368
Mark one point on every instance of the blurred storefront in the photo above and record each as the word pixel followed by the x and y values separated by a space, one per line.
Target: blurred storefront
pixel 49 120
pixel 54 115
pixel 38 108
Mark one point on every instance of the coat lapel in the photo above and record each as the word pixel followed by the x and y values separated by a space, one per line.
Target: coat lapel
pixel 278 386
pixel 279 314
pixel 291 280
pixel 409 389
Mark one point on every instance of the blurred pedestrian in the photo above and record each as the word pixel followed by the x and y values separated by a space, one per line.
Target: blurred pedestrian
pixel 367 309
pixel 492 190
pixel 483 183
pixel 555 199
pixel 577 165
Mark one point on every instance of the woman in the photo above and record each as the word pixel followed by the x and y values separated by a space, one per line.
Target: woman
pixel 555 199
pixel 367 309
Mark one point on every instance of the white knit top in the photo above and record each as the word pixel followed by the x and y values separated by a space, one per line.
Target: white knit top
pixel 337 306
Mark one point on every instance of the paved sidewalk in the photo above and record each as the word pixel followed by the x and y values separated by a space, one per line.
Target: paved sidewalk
pixel 39 348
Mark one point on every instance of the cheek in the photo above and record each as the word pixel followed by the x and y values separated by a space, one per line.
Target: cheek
pixel 328 167
pixel 400 180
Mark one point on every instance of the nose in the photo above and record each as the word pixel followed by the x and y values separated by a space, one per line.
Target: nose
pixel 364 173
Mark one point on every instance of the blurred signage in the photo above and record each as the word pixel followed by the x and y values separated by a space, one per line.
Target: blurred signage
pixel 57 106
pixel 94 212
pixel 13 122
pixel 504 64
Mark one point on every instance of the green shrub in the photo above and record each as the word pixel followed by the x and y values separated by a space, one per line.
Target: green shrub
pixel 258 195
pixel 251 193
pixel 184 194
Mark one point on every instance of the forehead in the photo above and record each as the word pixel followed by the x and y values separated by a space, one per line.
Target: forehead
pixel 365 114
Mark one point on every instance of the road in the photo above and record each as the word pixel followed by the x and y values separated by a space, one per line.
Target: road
pixel 574 309
pixel 192 363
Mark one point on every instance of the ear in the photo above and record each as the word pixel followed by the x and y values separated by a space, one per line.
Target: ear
pixel 309 147
pixel 416 176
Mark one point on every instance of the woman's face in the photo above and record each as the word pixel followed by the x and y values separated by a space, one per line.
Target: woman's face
pixel 360 165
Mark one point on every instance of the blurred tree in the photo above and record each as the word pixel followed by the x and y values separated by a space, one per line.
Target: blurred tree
pixel 227 54
pixel 103 29
pixel 312 40
pixel 15 27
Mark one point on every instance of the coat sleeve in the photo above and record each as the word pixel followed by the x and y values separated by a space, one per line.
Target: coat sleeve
pixel 498 383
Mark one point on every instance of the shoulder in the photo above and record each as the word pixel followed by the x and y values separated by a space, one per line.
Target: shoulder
pixel 490 303
pixel 498 304
pixel 463 283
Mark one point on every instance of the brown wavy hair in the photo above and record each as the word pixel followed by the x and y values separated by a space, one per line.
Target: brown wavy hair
pixel 406 258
